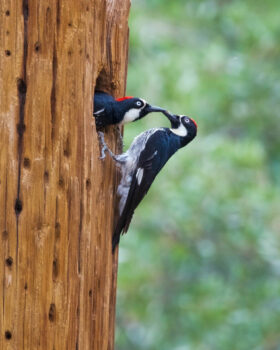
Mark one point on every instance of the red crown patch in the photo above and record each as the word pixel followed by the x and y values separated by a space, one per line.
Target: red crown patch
pixel 194 122
pixel 124 98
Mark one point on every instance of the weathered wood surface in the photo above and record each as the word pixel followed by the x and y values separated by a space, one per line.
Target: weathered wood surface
pixel 58 276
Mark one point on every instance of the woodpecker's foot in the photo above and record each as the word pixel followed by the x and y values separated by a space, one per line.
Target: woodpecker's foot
pixel 103 144
pixel 105 148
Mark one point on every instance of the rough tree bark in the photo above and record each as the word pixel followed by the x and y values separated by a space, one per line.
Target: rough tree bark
pixel 58 275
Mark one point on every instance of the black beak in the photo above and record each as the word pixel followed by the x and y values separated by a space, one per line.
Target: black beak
pixel 148 109
pixel 174 119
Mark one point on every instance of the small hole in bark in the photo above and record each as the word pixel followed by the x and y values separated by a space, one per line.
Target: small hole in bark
pixel 25 286
pixel 55 268
pixel 9 261
pixel 66 153
pixel 87 56
pixel 70 24
pixel 46 176
pixel 87 8
pixel 52 313
pixel 5 234
pixel 57 230
pixel 90 293
pixel 26 163
pixel 7 32
pixel 37 46
pixel 7 13
pixel 69 53
pixel 61 183
pixel 8 53
pixel 8 335
pixel 18 206
pixel 88 184
pixel 67 149
pixel 21 128
pixel 21 86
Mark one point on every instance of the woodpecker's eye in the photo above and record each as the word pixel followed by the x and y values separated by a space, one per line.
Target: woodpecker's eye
pixel 186 120
pixel 139 103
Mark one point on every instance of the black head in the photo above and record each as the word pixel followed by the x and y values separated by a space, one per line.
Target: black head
pixel 183 126
pixel 134 108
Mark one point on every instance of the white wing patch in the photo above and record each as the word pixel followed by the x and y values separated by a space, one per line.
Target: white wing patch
pixel 139 175
pixel 99 112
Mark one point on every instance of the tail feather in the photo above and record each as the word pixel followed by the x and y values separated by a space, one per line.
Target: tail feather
pixel 122 227
pixel 115 241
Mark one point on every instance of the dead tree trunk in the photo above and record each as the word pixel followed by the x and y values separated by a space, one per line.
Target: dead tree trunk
pixel 58 275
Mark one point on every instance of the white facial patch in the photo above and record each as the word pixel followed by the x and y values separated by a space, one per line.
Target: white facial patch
pixel 181 130
pixel 132 114
pixel 145 102
pixel 139 175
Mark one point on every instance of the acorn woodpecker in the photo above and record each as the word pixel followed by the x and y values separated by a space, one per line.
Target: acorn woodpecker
pixel 123 110
pixel 141 163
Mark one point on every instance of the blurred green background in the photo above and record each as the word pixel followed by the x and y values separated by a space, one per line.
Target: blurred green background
pixel 200 266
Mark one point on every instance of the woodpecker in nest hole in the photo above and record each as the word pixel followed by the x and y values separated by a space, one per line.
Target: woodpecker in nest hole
pixel 123 110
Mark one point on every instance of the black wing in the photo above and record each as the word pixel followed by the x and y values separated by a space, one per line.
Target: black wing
pixel 101 99
pixel 102 108
pixel 100 118
pixel 150 162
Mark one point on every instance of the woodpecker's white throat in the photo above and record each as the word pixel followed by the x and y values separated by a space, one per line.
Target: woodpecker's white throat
pixel 181 130
pixel 133 113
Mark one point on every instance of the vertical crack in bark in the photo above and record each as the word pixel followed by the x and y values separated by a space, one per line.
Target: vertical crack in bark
pixel 22 88
pixel 78 317
pixel 5 222
pixel 79 267
pixel 55 271
pixel 53 92
pixel 23 320
pixel 80 233
pixel 3 298
pixel 58 14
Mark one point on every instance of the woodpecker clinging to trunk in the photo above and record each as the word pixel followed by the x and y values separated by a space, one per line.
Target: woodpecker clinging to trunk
pixel 109 111
pixel 141 163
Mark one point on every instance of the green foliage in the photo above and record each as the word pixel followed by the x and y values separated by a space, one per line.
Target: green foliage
pixel 200 266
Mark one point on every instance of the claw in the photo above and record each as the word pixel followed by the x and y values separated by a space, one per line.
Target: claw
pixel 104 146
pixel 101 137
pixel 103 155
